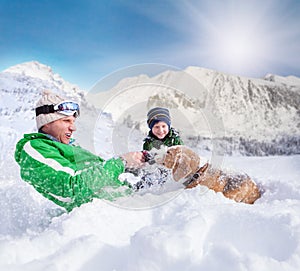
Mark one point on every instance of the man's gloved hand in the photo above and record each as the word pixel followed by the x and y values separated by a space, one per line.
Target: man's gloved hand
pixel 133 159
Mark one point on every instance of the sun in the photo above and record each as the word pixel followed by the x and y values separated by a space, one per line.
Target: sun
pixel 236 48
pixel 234 39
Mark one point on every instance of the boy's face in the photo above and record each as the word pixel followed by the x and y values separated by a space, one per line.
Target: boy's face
pixel 160 129
pixel 61 129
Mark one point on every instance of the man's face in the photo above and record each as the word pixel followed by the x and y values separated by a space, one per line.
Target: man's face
pixel 160 129
pixel 61 129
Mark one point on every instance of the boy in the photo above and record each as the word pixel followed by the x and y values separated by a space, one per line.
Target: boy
pixel 161 132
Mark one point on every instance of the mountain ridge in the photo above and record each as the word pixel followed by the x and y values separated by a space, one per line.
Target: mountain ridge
pixel 254 108
pixel 205 105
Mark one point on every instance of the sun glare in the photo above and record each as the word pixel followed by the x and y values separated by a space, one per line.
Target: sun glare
pixel 234 39
pixel 236 49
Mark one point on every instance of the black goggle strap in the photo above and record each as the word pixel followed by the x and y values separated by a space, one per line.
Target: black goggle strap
pixel 44 109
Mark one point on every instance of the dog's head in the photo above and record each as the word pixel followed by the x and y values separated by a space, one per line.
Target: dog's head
pixel 182 160
pixel 171 156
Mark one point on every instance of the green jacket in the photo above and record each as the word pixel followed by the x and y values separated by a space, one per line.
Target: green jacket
pixel 66 174
pixel 171 139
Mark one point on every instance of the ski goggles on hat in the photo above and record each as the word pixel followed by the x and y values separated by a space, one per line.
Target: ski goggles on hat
pixel 67 108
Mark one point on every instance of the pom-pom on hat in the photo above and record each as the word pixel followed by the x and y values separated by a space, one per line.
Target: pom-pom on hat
pixel 48 98
pixel 158 114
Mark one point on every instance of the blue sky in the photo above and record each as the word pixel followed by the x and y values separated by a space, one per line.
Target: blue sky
pixel 86 40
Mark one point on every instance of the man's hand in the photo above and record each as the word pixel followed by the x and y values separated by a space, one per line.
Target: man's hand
pixel 133 159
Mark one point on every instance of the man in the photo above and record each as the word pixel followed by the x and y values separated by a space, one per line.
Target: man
pixel 66 174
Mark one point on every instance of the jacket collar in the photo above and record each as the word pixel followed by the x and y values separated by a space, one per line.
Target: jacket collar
pixel 49 136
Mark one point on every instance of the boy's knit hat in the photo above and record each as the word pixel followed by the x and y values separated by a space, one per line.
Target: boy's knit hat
pixel 158 114
pixel 48 98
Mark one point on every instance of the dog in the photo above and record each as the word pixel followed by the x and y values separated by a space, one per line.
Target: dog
pixel 182 160
pixel 184 164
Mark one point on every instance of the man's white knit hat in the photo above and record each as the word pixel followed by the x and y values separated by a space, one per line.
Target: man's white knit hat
pixel 48 98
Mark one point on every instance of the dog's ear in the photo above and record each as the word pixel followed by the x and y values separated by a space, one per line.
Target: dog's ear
pixel 194 158
pixel 186 163
pixel 171 157
pixel 182 168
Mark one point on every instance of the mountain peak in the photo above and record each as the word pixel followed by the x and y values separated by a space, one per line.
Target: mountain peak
pixel 288 80
pixel 41 71
pixel 32 69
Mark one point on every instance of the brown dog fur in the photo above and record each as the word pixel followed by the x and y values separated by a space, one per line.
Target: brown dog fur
pixel 185 163
pixel 182 160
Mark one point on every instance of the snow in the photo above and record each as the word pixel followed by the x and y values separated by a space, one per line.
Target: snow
pixel 205 101
pixel 166 229
pixel 195 229
pixel 35 69
pixel 291 80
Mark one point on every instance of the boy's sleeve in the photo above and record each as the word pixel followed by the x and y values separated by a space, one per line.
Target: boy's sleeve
pixel 179 141
pixel 147 146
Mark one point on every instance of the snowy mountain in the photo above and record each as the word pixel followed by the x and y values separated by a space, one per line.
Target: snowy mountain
pixel 229 113
pixel 20 87
pixel 40 71
pixel 240 114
